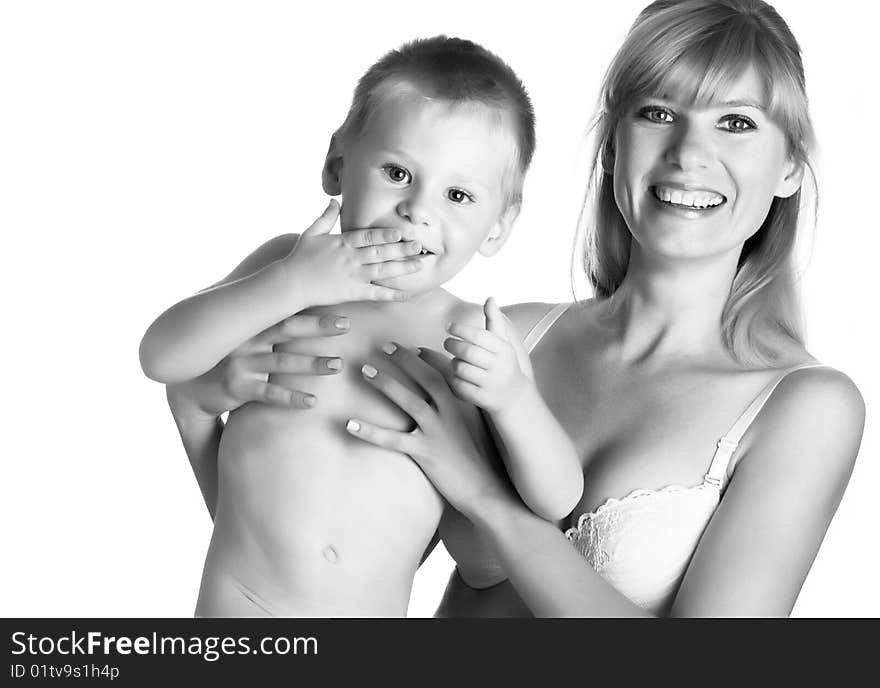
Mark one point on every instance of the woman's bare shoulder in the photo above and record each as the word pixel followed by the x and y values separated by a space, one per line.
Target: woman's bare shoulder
pixel 525 316
pixel 814 418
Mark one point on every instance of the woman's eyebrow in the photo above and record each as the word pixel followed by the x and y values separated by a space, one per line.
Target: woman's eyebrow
pixel 744 102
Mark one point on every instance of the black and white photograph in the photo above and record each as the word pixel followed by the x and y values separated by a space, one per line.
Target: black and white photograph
pixel 459 310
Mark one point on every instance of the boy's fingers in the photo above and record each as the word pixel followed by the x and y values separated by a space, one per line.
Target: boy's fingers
pixel 494 318
pixel 473 354
pixel 392 268
pixel 359 238
pixel 476 335
pixel 377 292
pixel 379 253
pixel 404 442
pixel 468 373
pixel 325 223
pixel 294 364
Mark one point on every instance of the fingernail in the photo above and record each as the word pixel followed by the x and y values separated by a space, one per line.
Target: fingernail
pixel 369 371
pixel 335 364
pixel 353 426
pixel 389 348
pixel 416 247
pixel 309 401
pixel 342 323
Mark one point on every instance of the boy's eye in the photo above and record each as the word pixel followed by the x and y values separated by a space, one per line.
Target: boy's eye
pixel 397 174
pixel 736 124
pixel 657 114
pixel 459 196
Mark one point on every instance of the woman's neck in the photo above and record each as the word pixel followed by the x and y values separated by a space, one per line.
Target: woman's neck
pixel 670 309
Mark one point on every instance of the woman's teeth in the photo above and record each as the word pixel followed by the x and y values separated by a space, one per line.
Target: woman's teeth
pixel 688 199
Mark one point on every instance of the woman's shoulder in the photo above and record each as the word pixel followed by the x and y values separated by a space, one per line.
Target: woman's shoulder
pixel 525 316
pixel 814 418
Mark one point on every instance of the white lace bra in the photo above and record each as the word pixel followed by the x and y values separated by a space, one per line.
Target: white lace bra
pixel 642 543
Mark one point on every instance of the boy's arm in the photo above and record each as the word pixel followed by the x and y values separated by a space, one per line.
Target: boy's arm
pixel 492 370
pixel 284 276
pixel 200 434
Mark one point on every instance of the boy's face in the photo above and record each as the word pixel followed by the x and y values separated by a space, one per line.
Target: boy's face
pixel 434 170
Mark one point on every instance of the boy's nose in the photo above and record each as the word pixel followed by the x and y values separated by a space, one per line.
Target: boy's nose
pixel 415 210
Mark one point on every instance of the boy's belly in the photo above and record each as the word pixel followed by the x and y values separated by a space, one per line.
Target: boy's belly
pixel 312 521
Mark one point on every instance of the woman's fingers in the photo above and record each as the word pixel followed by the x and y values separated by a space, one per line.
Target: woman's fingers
pixel 470 353
pixel 428 378
pixel 409 402
pixel 280 362
pixel 404 442
pixel 476 335
pixel 276 395
pixel 303 326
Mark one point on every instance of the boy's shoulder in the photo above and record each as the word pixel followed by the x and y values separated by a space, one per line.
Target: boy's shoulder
pixel 272 250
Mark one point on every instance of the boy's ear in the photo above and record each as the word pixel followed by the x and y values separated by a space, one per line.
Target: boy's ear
pixel 331 175
pixel 499 233
pixel 792 178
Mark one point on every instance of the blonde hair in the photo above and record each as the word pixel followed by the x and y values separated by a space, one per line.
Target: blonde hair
pixel 697 48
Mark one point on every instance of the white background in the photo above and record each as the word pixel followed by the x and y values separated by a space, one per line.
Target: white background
pixel 146 147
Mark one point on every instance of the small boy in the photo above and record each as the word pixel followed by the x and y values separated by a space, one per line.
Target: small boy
pixel 309 520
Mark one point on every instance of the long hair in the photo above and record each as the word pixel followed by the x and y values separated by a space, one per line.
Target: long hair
pixel 697 48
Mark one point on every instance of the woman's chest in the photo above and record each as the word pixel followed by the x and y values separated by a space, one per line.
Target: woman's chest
pixel 637 429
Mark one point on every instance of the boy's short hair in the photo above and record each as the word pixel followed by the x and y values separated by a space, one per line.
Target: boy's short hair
pixel 456 70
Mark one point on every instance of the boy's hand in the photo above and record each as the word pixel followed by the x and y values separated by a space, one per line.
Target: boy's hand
pixel 339 268
pixel 491 368
pixel 242 376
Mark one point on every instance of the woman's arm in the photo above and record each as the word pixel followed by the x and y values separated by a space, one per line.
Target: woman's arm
pixel 286 275
pixel 754 554
pixel 796 461
pixel 242 377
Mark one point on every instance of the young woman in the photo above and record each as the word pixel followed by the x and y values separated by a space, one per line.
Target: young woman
pixel 715 447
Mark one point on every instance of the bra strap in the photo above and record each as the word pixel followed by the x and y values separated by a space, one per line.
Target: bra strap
pixel 727 445
pixel 540 328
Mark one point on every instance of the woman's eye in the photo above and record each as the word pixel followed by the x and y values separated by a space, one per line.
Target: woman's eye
pixel 397 174
pixel 654 113
pixel 459 196
pixel 737 124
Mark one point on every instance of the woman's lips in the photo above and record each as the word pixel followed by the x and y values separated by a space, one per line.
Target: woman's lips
pixel 689 199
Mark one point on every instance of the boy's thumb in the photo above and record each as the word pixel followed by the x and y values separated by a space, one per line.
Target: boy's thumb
pixel 325 223
pixel 494 318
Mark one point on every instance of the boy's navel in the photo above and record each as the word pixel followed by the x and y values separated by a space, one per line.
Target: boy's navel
pixel 330 554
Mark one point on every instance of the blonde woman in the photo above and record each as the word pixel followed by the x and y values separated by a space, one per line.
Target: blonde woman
pixel 715 448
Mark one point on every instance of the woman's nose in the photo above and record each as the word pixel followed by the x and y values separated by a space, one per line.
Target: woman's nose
pixel 690 148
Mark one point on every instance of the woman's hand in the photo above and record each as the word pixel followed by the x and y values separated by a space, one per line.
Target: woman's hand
pixel 339 268
pixel 491 368
pixel 457 457
pixel 242 376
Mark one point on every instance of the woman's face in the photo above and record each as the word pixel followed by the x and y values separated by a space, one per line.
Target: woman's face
pixel 695 182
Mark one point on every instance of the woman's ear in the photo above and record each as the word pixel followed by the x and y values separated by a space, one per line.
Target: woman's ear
pixel 500 231
pixel 331 175
pixel 793 177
